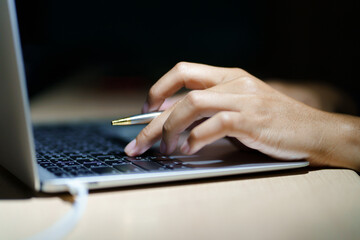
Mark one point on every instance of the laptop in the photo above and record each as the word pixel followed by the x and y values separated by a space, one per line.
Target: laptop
pixel 49 157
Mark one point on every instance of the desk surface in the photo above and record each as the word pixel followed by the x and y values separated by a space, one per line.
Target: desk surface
pixel 295 204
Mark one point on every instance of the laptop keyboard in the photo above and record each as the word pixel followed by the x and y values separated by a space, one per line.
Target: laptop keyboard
pixel 74 151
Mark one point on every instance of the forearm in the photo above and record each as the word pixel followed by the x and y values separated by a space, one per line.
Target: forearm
pixel 340 143
pixel 317 95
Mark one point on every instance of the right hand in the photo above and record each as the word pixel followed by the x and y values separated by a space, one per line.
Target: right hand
pixel 241 106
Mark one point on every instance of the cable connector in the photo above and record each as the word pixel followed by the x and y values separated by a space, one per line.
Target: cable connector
pixel 64 225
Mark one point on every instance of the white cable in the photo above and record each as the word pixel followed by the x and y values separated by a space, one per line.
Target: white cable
pixel 64 225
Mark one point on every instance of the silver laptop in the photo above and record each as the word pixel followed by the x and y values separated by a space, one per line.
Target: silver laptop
pixel 49 157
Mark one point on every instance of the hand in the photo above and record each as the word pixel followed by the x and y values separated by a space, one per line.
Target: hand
pixel 239 105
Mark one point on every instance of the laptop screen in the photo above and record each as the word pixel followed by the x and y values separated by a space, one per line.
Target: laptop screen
pixel 137 39
pixel 141 40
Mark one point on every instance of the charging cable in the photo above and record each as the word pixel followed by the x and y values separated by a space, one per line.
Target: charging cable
pixel 65 224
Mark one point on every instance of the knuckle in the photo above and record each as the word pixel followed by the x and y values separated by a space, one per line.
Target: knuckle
pixel 153 93
pixel 193 136
pixel 181 66
pixel 182 69
pixel 194 98
pixel 239 71
pixel 166 128
pixel 226 120
pixel 249 83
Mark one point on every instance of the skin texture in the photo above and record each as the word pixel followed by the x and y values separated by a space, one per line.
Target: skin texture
pixel 236 104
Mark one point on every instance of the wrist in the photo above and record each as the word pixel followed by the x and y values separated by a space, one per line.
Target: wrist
pixel 340 143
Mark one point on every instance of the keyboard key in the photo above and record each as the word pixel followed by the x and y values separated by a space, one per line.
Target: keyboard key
pixel 46 165
pixel 74 168
pixel 115 162
pixel 53 169
pixel 87 160
pixel 66 164
pixel 105 170
pixel 95 154
pixel 148 165
pixel 41 160
pixel 94 164
pixel 106 157
pixel 117 153
pixel 59 160
pixel 128 168
pixel 163 158
pixel 82 173
pixel 179 167
pixel 169 162
pixel 130 159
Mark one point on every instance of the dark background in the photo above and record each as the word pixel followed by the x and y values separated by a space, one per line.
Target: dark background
pixel 133 43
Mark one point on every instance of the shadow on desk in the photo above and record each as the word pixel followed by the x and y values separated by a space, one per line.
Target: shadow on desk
pixel 12 188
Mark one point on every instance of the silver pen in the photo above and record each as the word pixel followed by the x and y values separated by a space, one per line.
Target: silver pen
pixel 136 119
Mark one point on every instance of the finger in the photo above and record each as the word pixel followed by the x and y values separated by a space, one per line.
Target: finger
pixel 148 136
pixel 196 105
pixel 169 102
pixel 188 75
pixel 220 125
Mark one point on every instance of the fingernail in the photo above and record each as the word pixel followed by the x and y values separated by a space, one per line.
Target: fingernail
pixel 130 149
pixel 185 148
pixel 145 108
pixel 163 147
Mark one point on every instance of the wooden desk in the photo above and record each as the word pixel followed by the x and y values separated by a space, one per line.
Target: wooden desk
pixel 296 204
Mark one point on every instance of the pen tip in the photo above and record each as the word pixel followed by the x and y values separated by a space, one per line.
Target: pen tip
pixel 124 121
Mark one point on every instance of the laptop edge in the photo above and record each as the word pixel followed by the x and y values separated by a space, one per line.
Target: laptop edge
pixel 17 150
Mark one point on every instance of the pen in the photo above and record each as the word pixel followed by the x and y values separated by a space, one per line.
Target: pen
pixel 136 119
